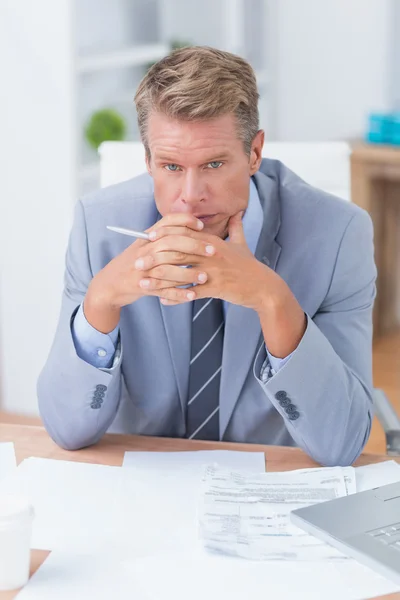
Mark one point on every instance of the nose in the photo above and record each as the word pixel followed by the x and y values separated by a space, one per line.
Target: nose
pixel 193 189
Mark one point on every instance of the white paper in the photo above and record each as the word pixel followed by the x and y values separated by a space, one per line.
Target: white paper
pixel 104 575
pixel 372 476
pixel 75 504
pixel 71 576
pixel 145 509
pixel 178 461
pixel 197 578
pixel 8 462
pixel 349 474
pixel 169 485
pixel 247 515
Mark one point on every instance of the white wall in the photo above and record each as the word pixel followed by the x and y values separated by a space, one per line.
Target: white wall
pixel 330 64
pixel 238 26
pixel 37 186
pixel 108 25
pixel 395 55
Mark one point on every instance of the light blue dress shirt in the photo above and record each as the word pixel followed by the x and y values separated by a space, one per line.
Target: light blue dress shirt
pixel 98 349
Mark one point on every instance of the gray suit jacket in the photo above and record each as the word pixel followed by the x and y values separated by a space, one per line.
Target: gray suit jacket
pixel 320 245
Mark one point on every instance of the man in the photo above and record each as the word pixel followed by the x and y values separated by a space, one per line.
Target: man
pixel 246 316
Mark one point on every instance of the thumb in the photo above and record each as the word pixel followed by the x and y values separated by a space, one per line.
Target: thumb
pixel 235 229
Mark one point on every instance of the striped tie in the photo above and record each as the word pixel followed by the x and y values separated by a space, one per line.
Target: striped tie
pixel 202 421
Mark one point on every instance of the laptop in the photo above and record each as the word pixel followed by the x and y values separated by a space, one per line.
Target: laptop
pixel 364 526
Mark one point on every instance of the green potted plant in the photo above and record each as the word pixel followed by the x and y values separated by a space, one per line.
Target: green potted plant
pixel 177 44
pixel 104 125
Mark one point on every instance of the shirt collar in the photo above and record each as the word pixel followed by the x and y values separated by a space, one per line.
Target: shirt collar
pixel 253 218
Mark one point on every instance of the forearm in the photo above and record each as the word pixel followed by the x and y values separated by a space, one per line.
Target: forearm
pixel 99 311
pixel 282 319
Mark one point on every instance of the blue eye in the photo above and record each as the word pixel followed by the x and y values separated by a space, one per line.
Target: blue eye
pixel 215 164
pixel 172 168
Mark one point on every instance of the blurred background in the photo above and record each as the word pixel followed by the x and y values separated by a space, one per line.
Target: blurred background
pixel 327 72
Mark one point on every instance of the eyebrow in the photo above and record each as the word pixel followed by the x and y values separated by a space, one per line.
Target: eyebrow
pixel 165 158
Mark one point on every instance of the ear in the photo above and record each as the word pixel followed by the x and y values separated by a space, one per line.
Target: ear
pixel 256 152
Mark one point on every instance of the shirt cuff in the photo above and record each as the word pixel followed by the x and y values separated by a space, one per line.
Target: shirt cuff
pixel 277 363
pixel 271 365
pixel 92 346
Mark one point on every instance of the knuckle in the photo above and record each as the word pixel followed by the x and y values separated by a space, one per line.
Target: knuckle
pixel 160 271
pixel 162 231
pixel 190 275
pixel 194 243
pixel 165 243
pixel 174 294
pixel 176 239
pixel 180 294
pixel 166 293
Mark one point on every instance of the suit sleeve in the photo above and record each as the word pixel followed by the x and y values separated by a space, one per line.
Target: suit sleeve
pixel 324 391
pixel 77 401
pixel 94 347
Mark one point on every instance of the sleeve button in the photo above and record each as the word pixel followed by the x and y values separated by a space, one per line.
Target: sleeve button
pixel 293 416
pixel 281 395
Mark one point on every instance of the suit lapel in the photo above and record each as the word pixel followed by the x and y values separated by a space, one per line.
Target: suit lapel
pixel 243 335
pixel 177 322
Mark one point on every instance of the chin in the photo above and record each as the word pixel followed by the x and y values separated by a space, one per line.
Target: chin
pixel 219 229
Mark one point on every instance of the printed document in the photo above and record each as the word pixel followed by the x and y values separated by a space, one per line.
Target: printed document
pixel 247 515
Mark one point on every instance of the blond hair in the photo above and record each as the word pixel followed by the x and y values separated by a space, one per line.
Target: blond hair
pixel 197 84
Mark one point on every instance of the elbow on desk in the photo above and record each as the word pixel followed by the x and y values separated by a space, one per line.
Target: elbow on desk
pixel 342 460
pixel 68 439
pixel 345 454
pixel 65 434
pixel 67 426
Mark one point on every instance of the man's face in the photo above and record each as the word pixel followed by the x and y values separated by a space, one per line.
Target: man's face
pixel 201 168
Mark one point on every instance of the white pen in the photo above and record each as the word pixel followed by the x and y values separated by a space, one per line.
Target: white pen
pixel 138 234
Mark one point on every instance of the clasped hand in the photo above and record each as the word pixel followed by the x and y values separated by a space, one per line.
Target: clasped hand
pixel 219 269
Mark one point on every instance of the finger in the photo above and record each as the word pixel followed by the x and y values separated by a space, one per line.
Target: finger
pixel 182 243
pixel 176 274
pixel 177 295
pixel 178 220
pixel 149 284
pixel 169 230
pixel 235 227
pixel 149 261
pixel 169 302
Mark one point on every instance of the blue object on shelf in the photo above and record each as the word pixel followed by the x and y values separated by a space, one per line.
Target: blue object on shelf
pixel 379 128
pixel 384 128
pixel 395 129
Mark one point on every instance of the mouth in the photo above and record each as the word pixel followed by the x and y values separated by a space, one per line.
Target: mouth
pixel 205 218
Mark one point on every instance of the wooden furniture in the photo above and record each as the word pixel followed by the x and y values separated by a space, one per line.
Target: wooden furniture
pixel 34 441
pixel 375 186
